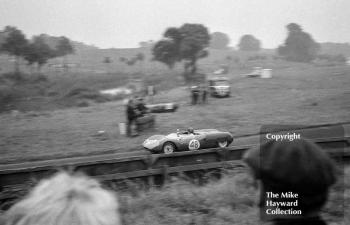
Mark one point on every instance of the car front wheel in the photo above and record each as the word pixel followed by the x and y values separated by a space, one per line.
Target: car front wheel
pixel 168 148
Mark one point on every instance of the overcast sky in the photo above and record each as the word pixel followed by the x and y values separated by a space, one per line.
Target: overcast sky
pixel 124 23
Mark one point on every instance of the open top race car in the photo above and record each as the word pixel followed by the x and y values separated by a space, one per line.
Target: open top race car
pixel 188 140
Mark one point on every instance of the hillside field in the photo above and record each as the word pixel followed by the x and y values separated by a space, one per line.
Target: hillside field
pixel 297 94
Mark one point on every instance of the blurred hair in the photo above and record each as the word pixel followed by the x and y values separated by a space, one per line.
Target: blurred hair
pixel 66 200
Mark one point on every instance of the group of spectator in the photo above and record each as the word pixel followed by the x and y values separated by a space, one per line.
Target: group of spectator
pixel 277 166
pixel 199 94
pixel 135 108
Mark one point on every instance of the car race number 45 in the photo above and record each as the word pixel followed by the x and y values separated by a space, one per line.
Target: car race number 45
pixel 193 145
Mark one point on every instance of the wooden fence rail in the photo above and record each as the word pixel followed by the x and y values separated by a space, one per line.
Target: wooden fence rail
pixel 17 179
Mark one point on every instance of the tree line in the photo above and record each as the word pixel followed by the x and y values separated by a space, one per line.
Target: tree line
pixel 247 42
pixel 35 51
pixel 190 42
pixel 186 44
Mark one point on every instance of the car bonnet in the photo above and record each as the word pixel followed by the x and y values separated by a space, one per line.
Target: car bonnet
pixel 156 137
pixel 172 136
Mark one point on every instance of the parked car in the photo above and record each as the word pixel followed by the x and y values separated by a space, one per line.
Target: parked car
pixel 219 87
pixel 162 107
pixel 188 140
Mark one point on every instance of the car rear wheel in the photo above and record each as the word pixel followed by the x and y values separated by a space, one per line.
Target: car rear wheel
pixel 168 148
pixel 223 144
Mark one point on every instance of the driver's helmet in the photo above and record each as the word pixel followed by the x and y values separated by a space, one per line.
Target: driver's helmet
pixel 190 130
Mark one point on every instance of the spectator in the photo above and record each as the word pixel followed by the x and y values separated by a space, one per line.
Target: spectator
pixel 300 167
pixel 204 94
pixel 66 200
pixel 131 117
pixel 195 94
pixel 141 107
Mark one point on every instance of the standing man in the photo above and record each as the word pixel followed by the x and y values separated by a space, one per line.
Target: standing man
pixel 131 117
pixel 204 94
pixel 141 107
pixel 195 94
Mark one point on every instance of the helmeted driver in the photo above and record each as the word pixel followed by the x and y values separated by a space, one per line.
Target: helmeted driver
pixel 190 130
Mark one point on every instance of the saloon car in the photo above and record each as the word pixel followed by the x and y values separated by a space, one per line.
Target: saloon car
pixel 188 140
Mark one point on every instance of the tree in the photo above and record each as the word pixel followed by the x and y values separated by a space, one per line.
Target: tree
pixel 38 52
pixel 15 44
pixel 140 56
pixel 219 40
pixel 64 48
pixel 249 43
pixel 107 61
pixel 131 62
pixel 187 43
pixel 166 52
pixel 299 45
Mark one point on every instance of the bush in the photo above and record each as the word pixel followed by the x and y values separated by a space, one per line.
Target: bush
pixel 83 104
pixel 20 78
pixel 330 60
pixel 86 93
pixel 83 93
pixel 7 94
pixel 257 57
pixel 14 77
pixel 37 78
pixel 231 200
pixel 227 201
pixel 17 86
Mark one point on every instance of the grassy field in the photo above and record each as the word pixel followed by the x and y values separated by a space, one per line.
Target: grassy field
pixel 297 94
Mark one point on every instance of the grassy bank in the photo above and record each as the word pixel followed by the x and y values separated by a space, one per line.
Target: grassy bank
pixel 50 91
pixel 231 200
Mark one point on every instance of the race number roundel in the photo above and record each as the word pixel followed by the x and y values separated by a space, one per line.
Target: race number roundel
pixel 194 145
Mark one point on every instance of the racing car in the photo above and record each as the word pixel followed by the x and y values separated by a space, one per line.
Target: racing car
pixel 188 140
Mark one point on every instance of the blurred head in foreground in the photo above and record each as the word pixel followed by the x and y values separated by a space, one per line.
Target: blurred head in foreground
pixel 66 200
pixel 298 167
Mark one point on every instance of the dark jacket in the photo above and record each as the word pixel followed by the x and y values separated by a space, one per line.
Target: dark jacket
pixel 130 112
pixel 142 108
